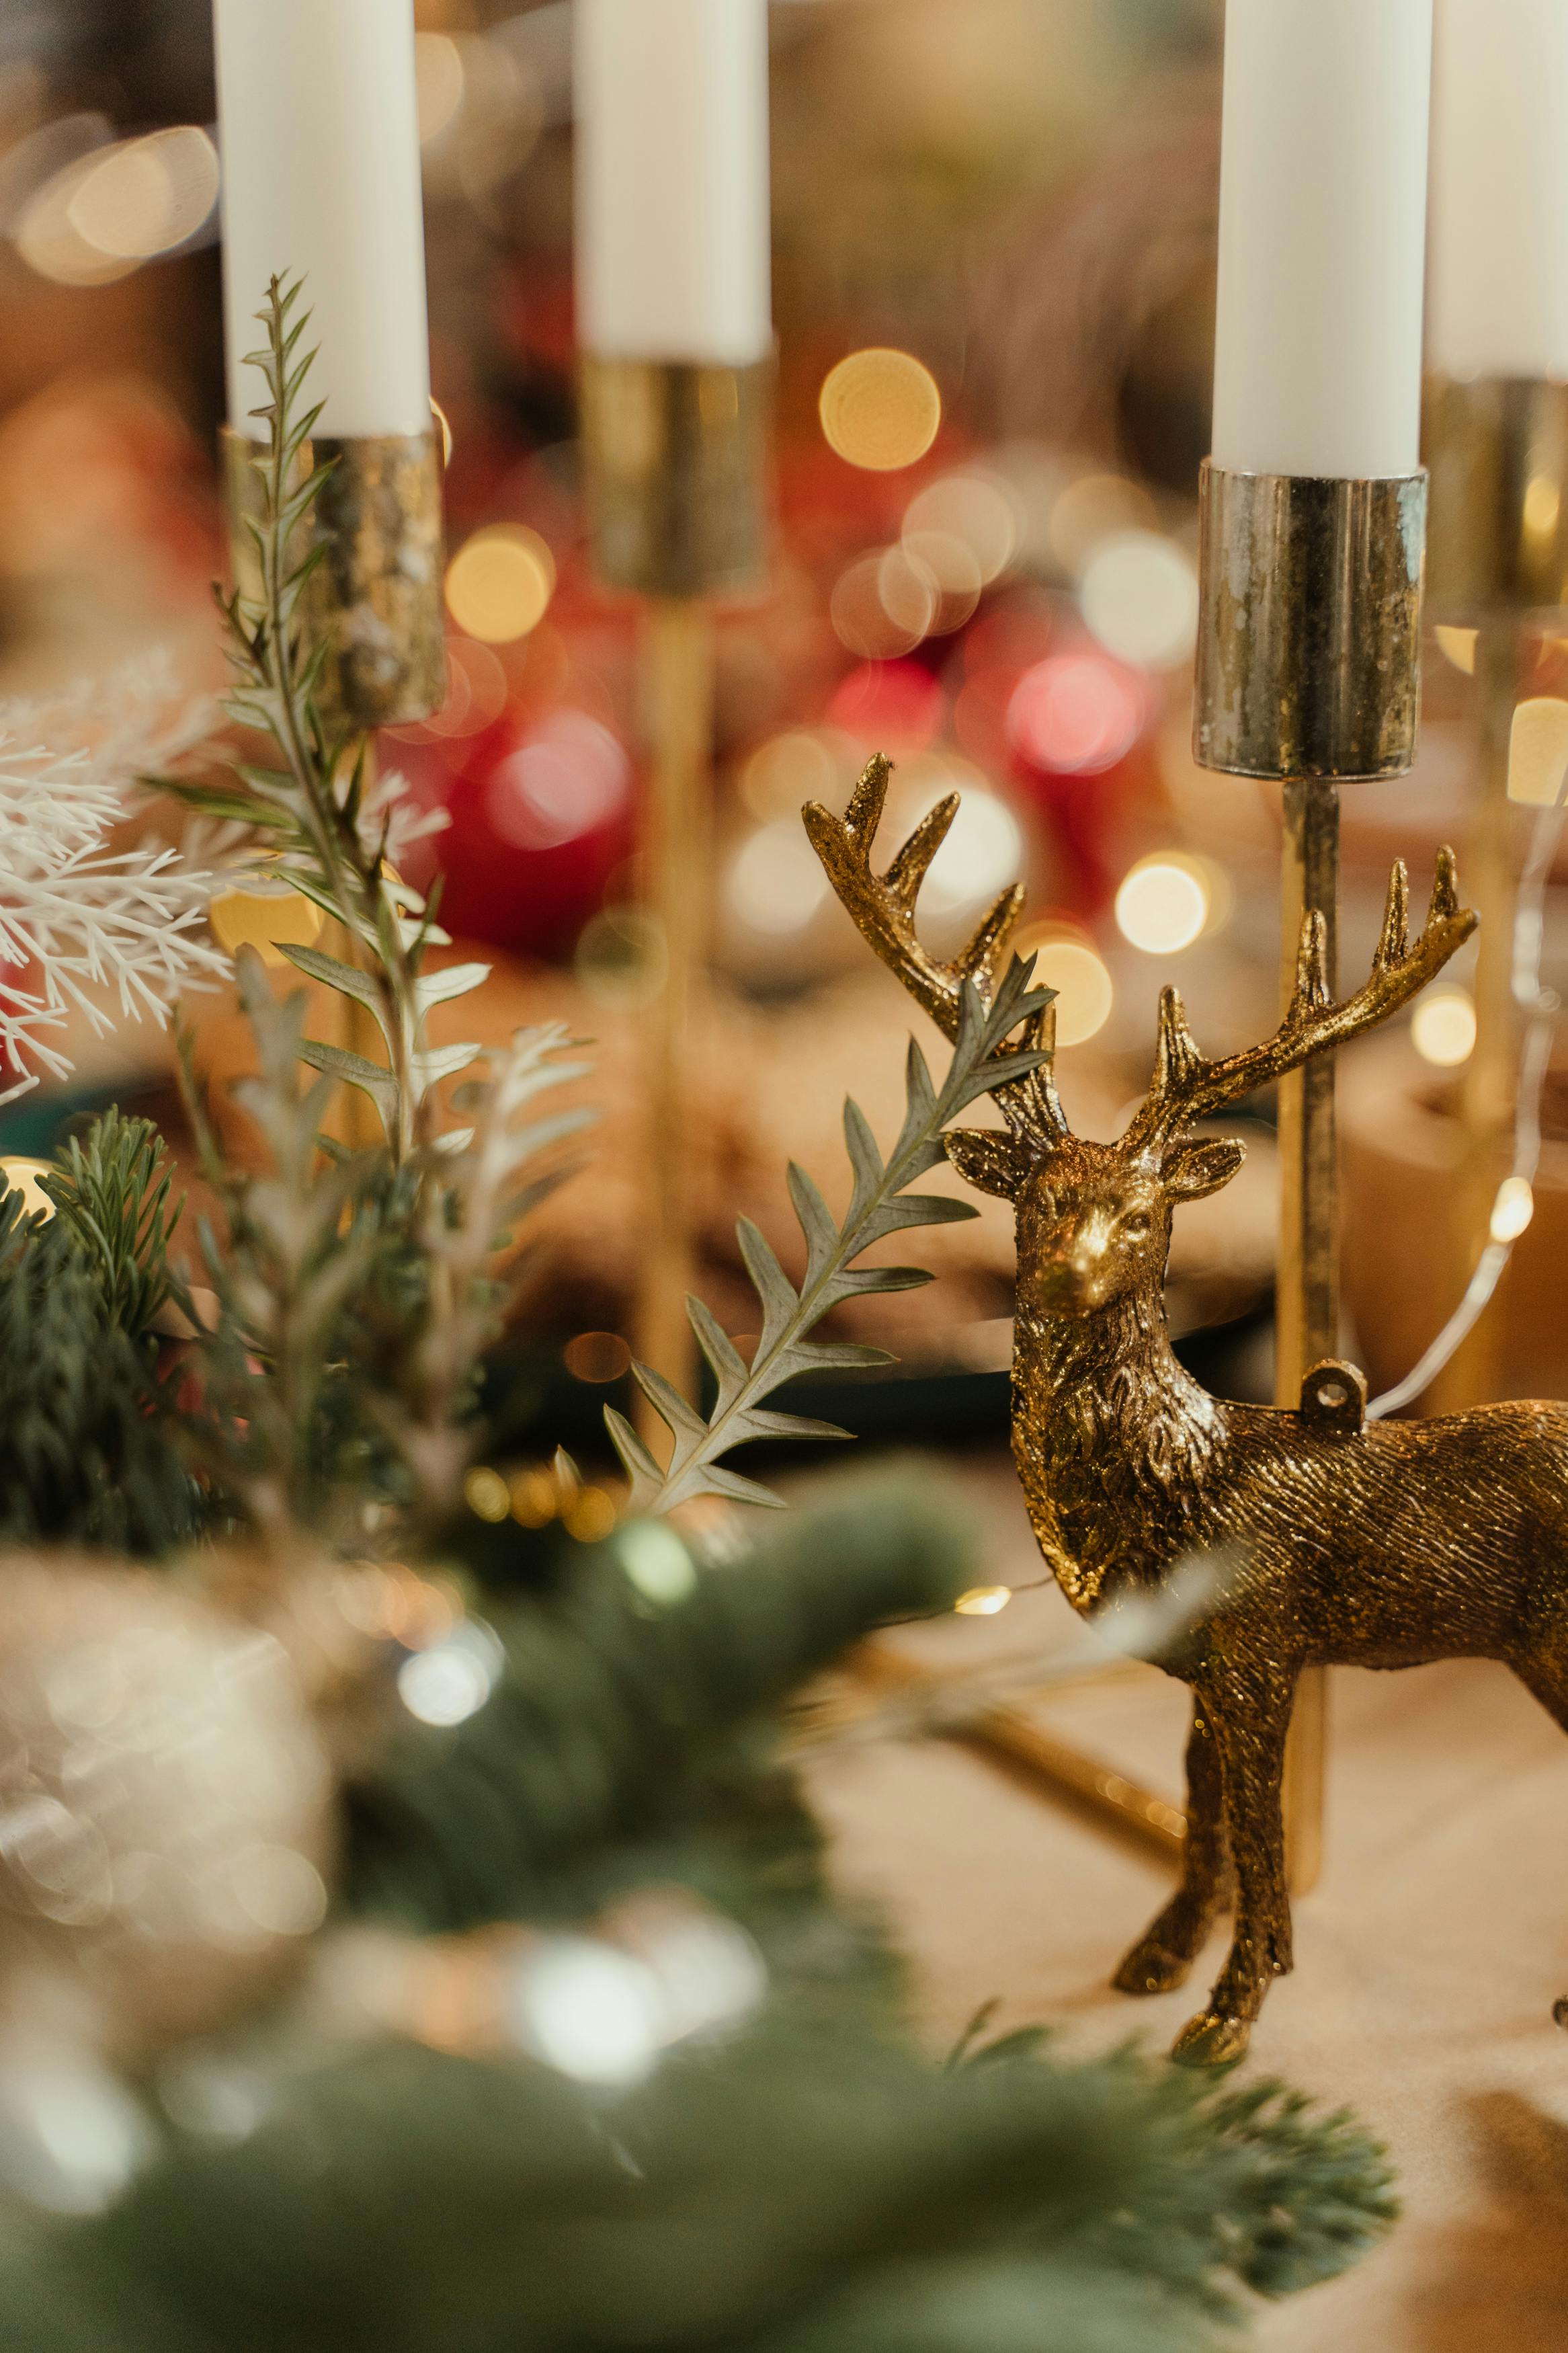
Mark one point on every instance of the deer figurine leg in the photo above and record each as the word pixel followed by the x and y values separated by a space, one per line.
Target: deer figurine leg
pixel 1250 1716
pixel 1164 1958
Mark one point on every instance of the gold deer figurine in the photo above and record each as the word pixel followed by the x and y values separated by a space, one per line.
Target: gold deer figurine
pixel 1386 1545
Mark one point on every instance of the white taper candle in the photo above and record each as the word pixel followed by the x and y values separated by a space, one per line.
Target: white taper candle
pixel 319 137
pixel 1498 283
pixel 1323 235
pixel 672 180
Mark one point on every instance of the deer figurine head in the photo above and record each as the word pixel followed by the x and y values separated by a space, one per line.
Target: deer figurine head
pixel 1386 1543
pixel 1094 1219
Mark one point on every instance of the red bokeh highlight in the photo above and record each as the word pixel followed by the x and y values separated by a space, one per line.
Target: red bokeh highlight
pixel 897 706
pixel 1076 714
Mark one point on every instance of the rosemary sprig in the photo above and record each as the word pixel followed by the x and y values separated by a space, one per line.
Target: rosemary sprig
pixel 879 1204
pixel 325 823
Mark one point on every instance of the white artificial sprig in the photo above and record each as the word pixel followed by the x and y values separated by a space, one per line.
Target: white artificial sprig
pixel 86 929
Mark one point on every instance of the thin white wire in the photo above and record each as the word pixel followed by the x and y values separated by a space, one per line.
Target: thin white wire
pixel 1540 1007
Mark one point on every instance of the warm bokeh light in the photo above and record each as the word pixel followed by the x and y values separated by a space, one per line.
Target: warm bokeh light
pixel 909 591
pixel 268 919
pixel 21 1176
pixel 1138 594
pixel 950 565
pixel 1163 904
pixel 439 82
pixel 148 194
pixel 800 766
pixel 1076 713
pixel 1066 961
pixel 1459 647
pixel 977 510
pixel 477 694
pixel 985 846
pixel 882 605
pixel 569 778
pixel 984 1601
pixel 1092 508
pixel 1538 751
pixel 486 1493
pixel 775 885
pixel 500 584
pixel 1513 1208
pixel 880 409
pixel 1542 506
pixel 597 1357
pixel 104 215
pixel 1443 1027
pixel 535 1496
pixel 590 1516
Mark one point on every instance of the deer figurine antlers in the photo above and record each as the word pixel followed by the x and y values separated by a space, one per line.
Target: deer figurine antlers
pixel 1386 1545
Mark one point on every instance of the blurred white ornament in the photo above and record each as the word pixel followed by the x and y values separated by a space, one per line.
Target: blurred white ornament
pixel 165 1798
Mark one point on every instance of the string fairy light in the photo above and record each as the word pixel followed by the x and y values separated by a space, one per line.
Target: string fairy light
pixel 1514 1203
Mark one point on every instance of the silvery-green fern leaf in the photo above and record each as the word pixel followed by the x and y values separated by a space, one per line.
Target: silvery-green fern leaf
pixel 880 1204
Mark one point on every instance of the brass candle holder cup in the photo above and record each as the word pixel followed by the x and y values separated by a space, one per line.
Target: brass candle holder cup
pixel 674 459
pixel 378 590
pixel 1309 643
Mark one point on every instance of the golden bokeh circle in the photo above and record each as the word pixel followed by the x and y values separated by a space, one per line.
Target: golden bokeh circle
pixel 268 920
pixel 880 409
pixel 1068 963
pixel 500 584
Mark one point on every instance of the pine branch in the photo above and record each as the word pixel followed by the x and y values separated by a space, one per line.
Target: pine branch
pixel 86 1455
pixel 879 1204
pixel 114 1191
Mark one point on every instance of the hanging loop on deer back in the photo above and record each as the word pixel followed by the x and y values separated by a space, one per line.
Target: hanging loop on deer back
pixel 1333 1398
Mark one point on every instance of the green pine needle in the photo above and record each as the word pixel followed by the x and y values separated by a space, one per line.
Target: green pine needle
pixel 113 1188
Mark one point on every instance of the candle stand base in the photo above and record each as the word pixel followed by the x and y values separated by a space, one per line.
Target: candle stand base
pixel 674 471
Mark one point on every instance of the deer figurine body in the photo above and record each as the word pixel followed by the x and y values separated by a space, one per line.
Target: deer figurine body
pixel 1386 1545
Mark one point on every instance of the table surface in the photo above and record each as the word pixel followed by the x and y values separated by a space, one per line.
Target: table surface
pixel 1426 1962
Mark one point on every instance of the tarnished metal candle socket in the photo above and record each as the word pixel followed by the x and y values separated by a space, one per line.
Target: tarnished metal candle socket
pixel 1496 450
pixel 1310 636
pixel 378 590
pixel 674 457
